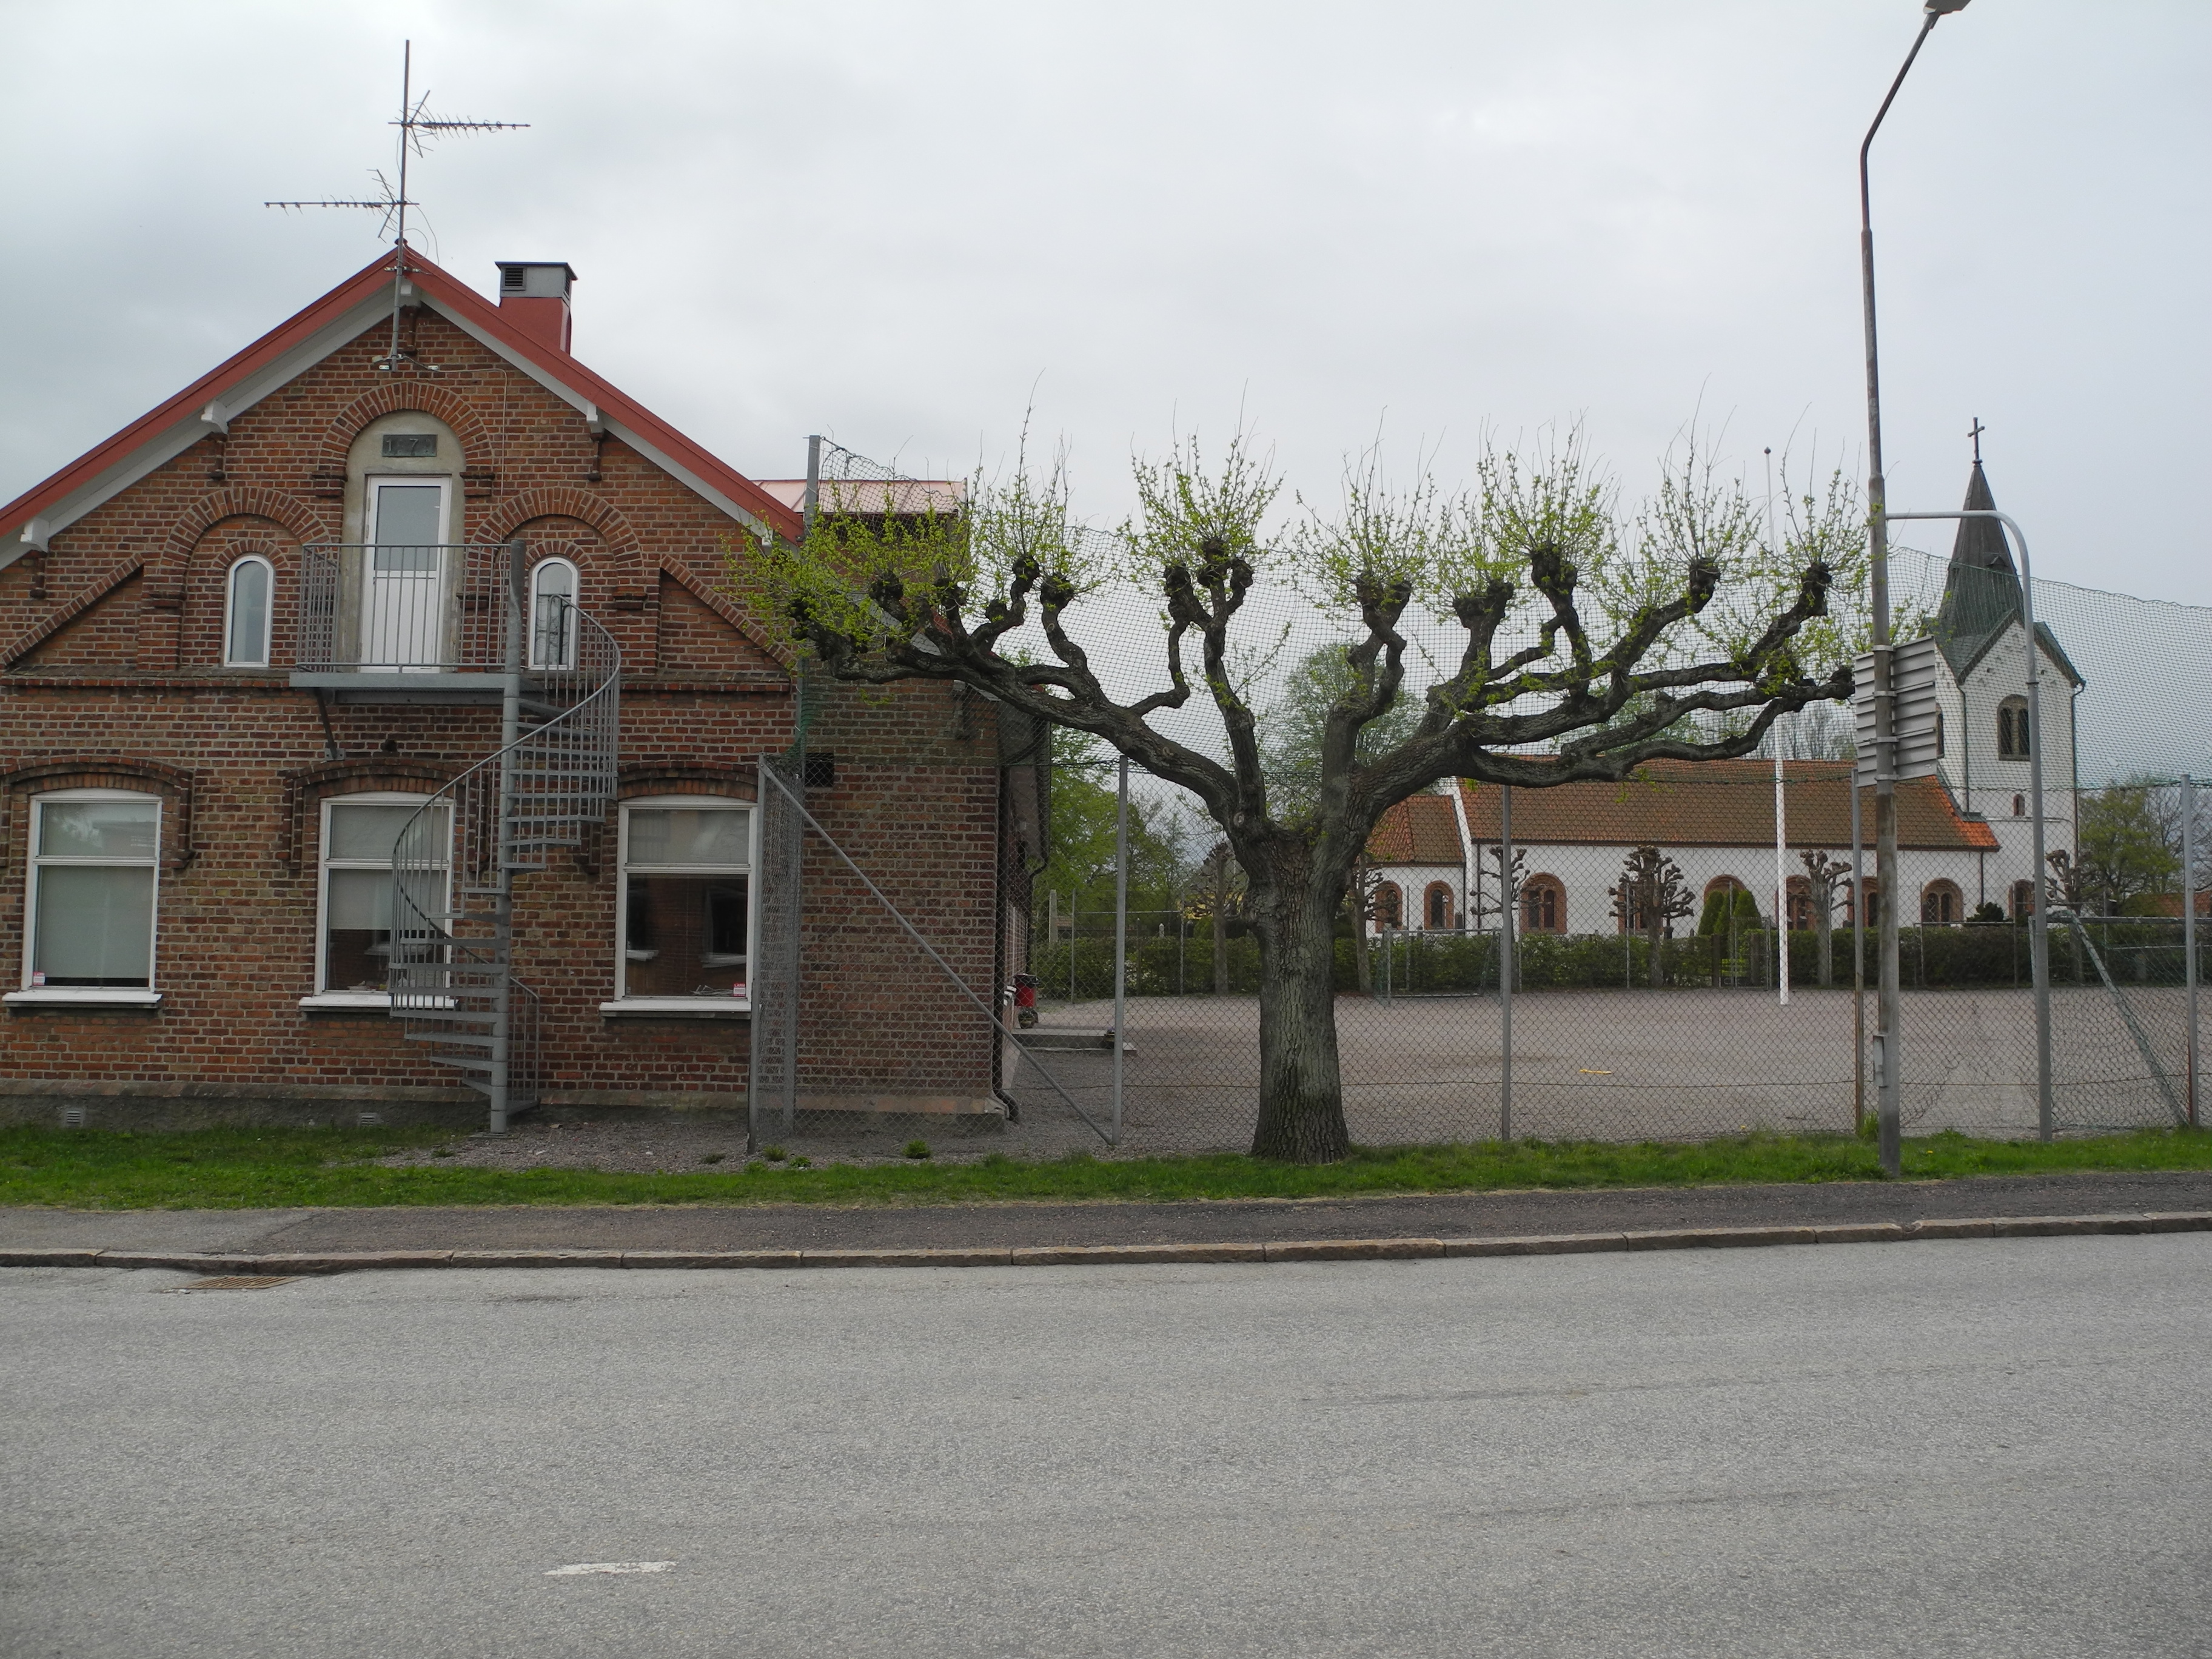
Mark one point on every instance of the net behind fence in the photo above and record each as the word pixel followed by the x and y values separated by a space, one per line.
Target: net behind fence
pixel 1613 963
pixel 1599 1049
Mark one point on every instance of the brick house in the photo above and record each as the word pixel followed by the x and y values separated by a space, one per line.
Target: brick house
pixel 250 640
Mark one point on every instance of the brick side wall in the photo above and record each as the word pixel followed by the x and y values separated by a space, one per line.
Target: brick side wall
pixel 242 761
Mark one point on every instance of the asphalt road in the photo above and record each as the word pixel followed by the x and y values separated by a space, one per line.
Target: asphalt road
pixel 828 1227
pixel 1976 1448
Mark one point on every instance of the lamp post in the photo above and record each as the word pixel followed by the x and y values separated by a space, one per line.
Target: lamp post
pixel 1888 1058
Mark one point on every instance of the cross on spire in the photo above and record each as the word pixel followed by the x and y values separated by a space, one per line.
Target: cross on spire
pixel 1975 433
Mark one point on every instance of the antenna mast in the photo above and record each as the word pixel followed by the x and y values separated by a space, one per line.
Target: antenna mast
pixel 414 120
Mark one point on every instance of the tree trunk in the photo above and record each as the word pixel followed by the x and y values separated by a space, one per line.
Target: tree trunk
pixel 1658 959
pixel 1827 943
pixel 1301 1088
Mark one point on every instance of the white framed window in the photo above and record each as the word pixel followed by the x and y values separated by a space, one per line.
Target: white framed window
pixel 353 908
pixel 248 594
pixel 684 913
pixel 553 591
pixel 94 880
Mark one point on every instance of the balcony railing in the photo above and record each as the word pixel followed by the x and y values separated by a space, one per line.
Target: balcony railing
pixel 404 610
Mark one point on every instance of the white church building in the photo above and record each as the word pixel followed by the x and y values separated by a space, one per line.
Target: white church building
pixel 1965 837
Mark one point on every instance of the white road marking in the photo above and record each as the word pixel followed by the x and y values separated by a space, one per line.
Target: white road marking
pixel 610 1566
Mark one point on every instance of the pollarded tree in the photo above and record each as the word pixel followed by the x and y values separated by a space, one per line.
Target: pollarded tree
pixel 1218 888
pixel 1583 644
pixel 1826 881
pixel 1651 896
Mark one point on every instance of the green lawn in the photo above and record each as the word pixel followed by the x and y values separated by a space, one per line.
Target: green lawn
pixel 219 1169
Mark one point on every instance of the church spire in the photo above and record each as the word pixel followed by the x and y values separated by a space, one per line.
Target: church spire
pixel 1980 543
pixel 1981 590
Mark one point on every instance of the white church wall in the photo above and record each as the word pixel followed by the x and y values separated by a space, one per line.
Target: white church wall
pixel 1587 873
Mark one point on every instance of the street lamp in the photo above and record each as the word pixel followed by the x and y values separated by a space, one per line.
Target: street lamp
pixel 1888 1059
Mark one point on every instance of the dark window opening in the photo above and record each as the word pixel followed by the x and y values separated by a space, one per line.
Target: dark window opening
pixel 725 922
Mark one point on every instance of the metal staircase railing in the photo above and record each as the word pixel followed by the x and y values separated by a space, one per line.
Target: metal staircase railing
pixel 548 784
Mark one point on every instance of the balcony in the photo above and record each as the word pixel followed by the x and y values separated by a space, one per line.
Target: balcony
pixel 431 624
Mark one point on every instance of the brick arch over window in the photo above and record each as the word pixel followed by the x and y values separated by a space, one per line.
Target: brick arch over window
pixel 305 789
pixel 158 635
pixel 1941 904
pixel 204 582
pixel 295 517
pixel 152 777
pixel 624 551
pixel 414 397
pixel 1436 905
pixel 684 778
pixel 1543 905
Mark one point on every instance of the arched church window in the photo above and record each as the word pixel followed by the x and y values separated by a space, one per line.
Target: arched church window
pixel 1942 905
pixel 1437 906
pixel 1543 905
pixel 2012 728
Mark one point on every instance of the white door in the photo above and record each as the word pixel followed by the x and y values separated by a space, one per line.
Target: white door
pixel 403 620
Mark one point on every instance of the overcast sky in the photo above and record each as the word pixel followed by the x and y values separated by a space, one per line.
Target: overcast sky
pixel 890 223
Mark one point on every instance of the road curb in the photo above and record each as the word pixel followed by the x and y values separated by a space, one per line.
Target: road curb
pixel 1070 1255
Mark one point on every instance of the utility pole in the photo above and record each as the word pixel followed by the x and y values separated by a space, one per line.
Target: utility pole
pixel 1887 1055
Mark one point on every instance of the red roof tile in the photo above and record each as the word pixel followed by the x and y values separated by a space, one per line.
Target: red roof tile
pixel 1670 804
pixel 468 306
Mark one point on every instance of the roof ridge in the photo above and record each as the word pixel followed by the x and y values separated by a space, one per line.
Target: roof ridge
pixel 455 296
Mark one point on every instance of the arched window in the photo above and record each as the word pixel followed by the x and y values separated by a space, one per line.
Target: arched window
pixel 1436 906
pixel 1942 905
pixel 2023 900
pixel 2012 728
pixel 2019 806
pixel 553 614
pixel 1543 905
pixel 1389 906
pixel 247 592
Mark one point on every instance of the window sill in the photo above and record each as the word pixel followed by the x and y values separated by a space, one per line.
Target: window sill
pixel 678 1008
pixel 357 1001
pixel 85 996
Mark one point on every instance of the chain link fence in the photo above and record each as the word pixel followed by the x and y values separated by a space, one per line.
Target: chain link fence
pixel 1646 1000
pixel 1693 953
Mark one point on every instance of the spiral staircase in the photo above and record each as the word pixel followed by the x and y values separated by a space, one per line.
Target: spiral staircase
pixel 545 789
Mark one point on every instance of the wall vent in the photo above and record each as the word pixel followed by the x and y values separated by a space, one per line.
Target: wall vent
pixel 511 279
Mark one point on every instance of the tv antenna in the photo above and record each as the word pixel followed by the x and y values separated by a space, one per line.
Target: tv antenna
pixel 414 122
